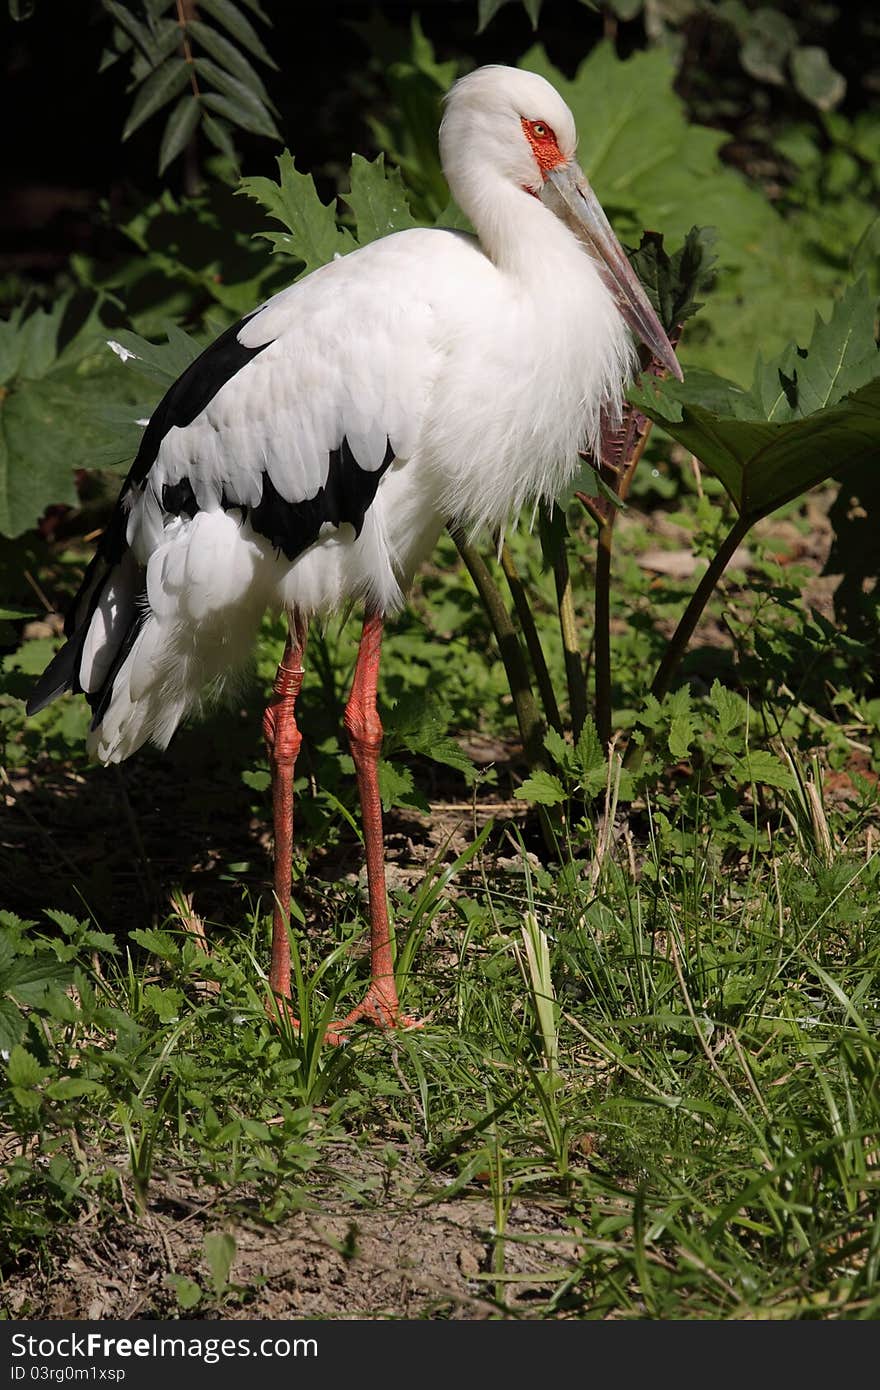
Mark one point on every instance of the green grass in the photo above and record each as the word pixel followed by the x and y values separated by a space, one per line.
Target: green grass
pixel 665 1037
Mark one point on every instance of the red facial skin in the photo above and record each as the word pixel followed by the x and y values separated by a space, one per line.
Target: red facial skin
pixel 545 148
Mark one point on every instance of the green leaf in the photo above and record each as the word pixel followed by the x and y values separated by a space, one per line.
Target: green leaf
pixel 417 722
pixel 816 80
pixel 241 96
pixel 591 761
pixel 396 786
pixel 377 199
pixel 179 128
pixel 257 781
pixel 160 87
pixel 759 765
pixel 23 1069
pixel 235 23
pixel 241 114
pixel 162 362
pixel 72 1087
pixel 681 734
pixel 186 1291
pixel 729 708
pixel 808 414
pixel 486 12
pixel 561 752
pixel 228 56
pixel 312 235
pixel 12 1025
pixel 218 133
pixel 768 41
pixel 672 283
pixel 136 31
pixel 219 1253
pixel 29 978
pixel 541 789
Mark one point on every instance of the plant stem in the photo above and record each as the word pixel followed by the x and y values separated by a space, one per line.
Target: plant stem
pixel 528 716
pixel 678 642
pixel 602 632
pixel 574 673
pixel 533 641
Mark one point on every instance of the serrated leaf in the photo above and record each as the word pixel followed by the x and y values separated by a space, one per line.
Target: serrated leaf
pixel 542 789
pixel 228 56
pixel 239 26
pixel 158 943
pixel 417 723
pixel 560 751
pixel 759 765
pixel 674 282
pixel 23 1069
pixel 728 708
pixel 681 734
pixel 809 413
pixel 12 1025
pixel 396 786
pixel 162 362
pixel 590 758
pixel 240 95
pixel 377 199
pixel 178 130
pixel 312 234
pixel 162 86
pixel 29 977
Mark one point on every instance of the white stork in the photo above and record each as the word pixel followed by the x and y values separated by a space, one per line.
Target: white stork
pixel 311 455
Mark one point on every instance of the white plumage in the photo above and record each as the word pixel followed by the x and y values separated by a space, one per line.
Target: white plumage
pixel 312 455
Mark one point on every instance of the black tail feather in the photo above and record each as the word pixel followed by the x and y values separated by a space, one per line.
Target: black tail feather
pixel 61 674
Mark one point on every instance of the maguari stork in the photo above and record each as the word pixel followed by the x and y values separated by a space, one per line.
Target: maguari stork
pixel 310 457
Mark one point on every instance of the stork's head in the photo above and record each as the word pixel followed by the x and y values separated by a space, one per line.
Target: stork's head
pixel 505 124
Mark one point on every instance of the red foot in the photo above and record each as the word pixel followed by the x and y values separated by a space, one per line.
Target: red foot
pixel 378 1006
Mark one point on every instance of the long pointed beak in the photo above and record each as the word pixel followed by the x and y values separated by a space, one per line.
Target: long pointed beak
pixel 568 194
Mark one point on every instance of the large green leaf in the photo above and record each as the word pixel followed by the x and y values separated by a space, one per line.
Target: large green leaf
pixel 377 199
pixel 312 235
pixel 49 425
pixel 809 413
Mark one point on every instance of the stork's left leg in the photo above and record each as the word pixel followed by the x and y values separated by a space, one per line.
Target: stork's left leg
pixel 380 1005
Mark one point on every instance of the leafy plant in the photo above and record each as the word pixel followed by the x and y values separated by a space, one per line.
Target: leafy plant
pixel 195 56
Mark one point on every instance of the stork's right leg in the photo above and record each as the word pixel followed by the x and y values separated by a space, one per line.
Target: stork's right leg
pixel 283 742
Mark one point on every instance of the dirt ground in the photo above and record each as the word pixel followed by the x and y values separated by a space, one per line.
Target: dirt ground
pixel 412 1256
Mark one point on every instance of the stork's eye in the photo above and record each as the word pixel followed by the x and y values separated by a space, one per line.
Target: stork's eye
pixel 539 129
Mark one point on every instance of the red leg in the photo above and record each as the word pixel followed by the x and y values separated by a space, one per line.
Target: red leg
pixel 283 741
pixel 380 1005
